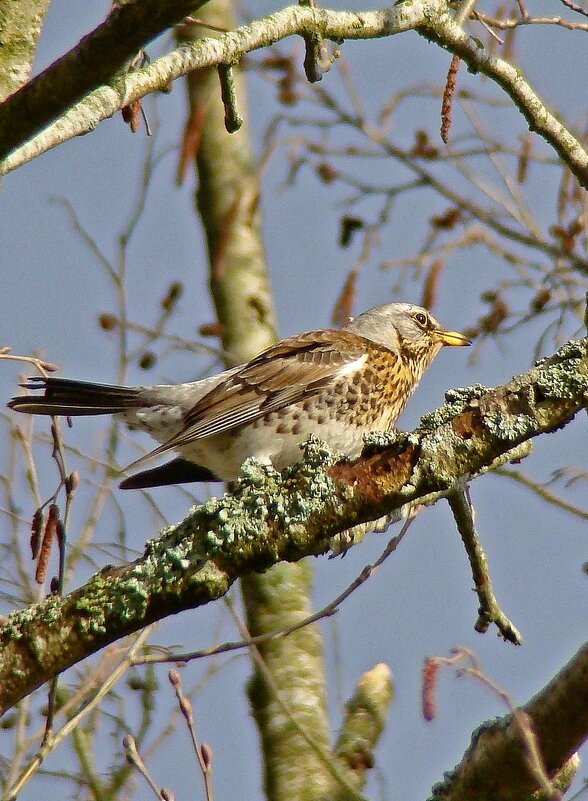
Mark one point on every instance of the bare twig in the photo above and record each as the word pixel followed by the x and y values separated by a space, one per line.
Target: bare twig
pixel 58 736
pixel 203 751
pixel 327 611
pixel 542 491
pixel 233 119
pixel 490 611
pixel 134 758
pixel 439 26
pixel 575 7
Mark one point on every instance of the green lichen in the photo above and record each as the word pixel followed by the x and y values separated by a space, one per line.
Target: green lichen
pixel 263 499
pixel 15 626
pixel 457 401
pixel 573 349
pixel 317 456
pixel 92 609
pixel 564 380
pixel 375 441
pixel 110 599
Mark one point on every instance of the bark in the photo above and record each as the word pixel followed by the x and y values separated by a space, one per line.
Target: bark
pixel 58 92
pixel 21 22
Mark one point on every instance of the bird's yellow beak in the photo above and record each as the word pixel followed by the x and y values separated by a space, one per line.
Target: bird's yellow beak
pixel 452 338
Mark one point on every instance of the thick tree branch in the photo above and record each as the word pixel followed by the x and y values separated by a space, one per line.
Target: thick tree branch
pixel 558 715
pixel 133 25
pixel 39 102
pixel 273 517
pixel 96 60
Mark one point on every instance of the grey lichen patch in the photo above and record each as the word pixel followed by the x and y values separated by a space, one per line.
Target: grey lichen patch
pixel 317 456
pixel 375 441
pixel 242 515
pixel 178 549
pixel 510 427
pixel 315 489
pixel 573 349
pixel 457 401
pixel 568 380
pixel 565 375
pixel 439 450
pixel 256 474
pixel 263 500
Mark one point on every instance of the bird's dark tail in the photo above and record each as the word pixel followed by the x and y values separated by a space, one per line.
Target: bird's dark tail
pixel 68 397
pixel 178 471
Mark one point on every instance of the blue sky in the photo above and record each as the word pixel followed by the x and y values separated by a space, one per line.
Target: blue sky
pixel 420 602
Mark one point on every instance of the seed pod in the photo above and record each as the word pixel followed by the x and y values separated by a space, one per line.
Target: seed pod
pixel 36 527
pixel 430 670
pixel 48 537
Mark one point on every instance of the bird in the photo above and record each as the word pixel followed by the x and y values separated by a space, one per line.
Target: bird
pixel 337 384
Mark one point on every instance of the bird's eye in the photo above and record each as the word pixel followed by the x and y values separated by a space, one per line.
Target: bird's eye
pixel 421 319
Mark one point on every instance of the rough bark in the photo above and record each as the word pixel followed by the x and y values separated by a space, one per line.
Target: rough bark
pixel 21 22
pixel 58 92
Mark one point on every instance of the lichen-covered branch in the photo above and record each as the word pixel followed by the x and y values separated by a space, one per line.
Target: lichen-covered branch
pixel 273 517
pixel 39 103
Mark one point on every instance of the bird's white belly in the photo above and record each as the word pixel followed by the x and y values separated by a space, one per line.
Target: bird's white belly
pixel 274 439
pixel 225 453
pixel 160 422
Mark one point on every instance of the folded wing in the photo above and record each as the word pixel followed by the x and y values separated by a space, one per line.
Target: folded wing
pixel 289 372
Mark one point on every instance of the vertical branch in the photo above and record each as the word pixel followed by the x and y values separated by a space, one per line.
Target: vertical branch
pixel 489 611
pixel 228 204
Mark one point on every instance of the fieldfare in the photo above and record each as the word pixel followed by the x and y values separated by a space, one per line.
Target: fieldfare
pixel 336 384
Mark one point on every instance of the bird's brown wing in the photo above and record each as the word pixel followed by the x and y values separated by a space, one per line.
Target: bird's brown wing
pixel 294 369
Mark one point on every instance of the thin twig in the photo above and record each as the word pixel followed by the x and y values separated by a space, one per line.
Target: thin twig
pixel 542 491
pixel 490 611
pixel 203 751
pixel 58 736
pixel 327 611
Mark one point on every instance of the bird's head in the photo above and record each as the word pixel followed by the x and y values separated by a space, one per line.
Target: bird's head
pixel 408 330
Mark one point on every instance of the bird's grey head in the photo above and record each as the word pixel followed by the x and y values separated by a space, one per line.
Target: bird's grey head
pixel 403 327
